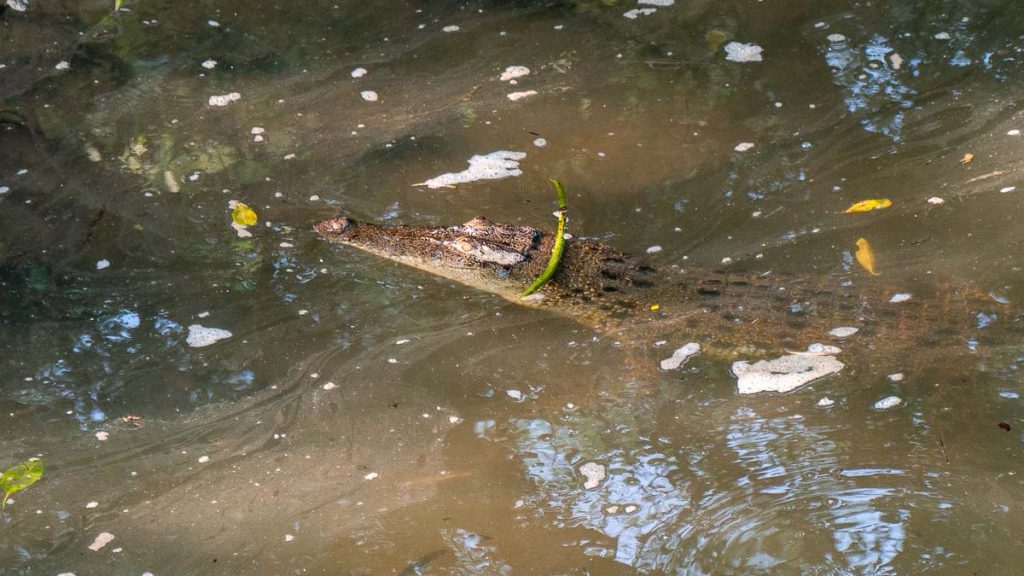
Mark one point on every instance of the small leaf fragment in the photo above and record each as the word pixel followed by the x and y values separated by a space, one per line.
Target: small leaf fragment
pixel 655 307
pixel 20 477
pixel 243 215
pixel 967 158
pixel 866 256
pixel 869 205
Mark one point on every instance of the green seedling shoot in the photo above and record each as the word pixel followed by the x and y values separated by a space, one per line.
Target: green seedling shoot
pixel 556 252
pixel 20 477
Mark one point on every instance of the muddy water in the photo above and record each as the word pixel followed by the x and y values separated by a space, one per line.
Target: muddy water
pixel 364 418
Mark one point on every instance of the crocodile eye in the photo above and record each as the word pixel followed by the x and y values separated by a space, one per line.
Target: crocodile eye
pixel 462 245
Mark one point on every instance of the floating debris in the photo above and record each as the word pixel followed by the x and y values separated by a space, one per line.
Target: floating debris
pixel 638 12
pixel 869 205
pixel 836 38
pixel 492 166
pixel 369 95
pixel 19 5
pixel 1007 189
pixel 942 36
pixel 935 200
pixel 843 331
pixel 224 99
pixel 888 402
pixel 784 374
pixel 866 256
pixel 515 395
pixel 899 297
pixel 826 402
pixel 450 29
pixel 680 356
pixel 513 72
pixel 62 65
pixel 897 60
pixel 358 73
pixel 102 435
pixel 102 540
pixel 203 459
pixel 103 264
pixel 1013 132
pixel 92 504
pixel 967 158
pixel 540 142
pixel 895 377
pixel 743 146
pixel 514 96
pixel 200 336
pixel 171 182
pixel 653 249
pixel 330 386
pixel 739 52
pixel 209 64
pixel 371 476
pixel 819 348
pixel 593 474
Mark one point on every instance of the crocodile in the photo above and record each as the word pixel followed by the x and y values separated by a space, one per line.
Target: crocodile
pixel 734 313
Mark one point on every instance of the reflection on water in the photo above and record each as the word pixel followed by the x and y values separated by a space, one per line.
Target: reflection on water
pixel 364 418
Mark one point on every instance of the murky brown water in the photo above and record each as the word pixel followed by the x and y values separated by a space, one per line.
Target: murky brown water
pixel 459 429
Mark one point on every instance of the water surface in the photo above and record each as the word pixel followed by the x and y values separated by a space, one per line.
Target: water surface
pixel 365 418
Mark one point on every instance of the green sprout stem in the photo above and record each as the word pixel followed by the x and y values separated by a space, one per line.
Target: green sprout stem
pixel 556 252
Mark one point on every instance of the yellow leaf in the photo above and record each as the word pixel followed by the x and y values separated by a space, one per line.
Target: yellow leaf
pixel 243 215
pixel 866 256
pixel 967 158
pixel 869 205
pixel 655 307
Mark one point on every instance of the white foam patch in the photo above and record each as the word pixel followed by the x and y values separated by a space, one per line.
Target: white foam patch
pixel 102 540
pixel 901 297
pixel 19 5
pixel 743 146
pixel 199 335
pixel 843 331
pixel 492 166
pixel 224 99
pixel 358 73
pixel 638 12
pixel 513 72
pixel 520 95
pixel 739 52
pixel 888 402
pixel 593 474
pixel 680 356
pixel 369 95
pixel 784 374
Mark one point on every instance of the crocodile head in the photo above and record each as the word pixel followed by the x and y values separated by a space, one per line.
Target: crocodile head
pixel 499 258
